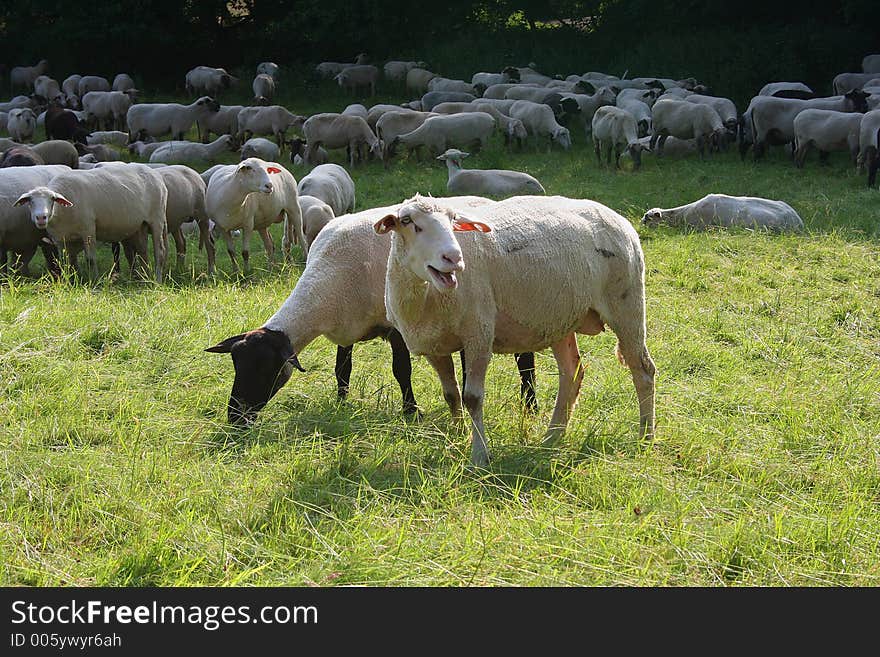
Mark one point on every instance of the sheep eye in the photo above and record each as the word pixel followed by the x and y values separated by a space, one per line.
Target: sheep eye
pixel 405 221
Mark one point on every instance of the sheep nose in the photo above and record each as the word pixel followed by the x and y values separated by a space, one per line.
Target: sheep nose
pixel 454 259
pixel 267 188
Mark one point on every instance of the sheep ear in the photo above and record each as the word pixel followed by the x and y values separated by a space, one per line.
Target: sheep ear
pixel 60 200
pixel 273 170
pixel 386 224
pixel 461 224
pixel 24 198
pixel 225 346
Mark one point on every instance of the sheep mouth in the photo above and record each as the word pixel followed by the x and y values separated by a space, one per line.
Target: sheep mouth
pixel 442 279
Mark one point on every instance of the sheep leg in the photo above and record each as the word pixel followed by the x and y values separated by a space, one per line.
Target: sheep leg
pixel 268 244
pixel 207 240
pixel 525 363
pixel 571 373
pixel 115 268
pixel 179 247
pixel 401 366
pixel 91 250
pixel 597 148
pixel 474 392
pixel 343 371
pixel 446 372
pixel 159 231
pixel 230 247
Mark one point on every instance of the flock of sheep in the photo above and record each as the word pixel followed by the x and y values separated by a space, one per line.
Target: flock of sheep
pixel 466 273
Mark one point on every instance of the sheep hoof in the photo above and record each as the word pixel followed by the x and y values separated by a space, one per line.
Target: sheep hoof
pixel 551 438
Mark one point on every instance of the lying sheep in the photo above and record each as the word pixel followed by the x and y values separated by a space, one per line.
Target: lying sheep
pixel 672 147
pixel 208 81
pixel 21 124
pixel 107 108
pixel 438 133
pixel 112 137
pixel 614 128
pixel 185 203
pixel 264 85
pixel 685 120
pixel 251 196
pixel 261 148
pixel 828 131
pixel 332 184
pixel 100 152
pixel 315 215
pixel 339 295
pixel 721 210
pixel 177 152
pixel 489 293
pixel 493 183
pixel 393 124
pixel 108 204
pixel 353 78
pixel 122 82
pixel 160 119
pixel 24 76
pixel 540 122
pixel 869 144
pixel 18 102
pixel 273 120
pixel 332 130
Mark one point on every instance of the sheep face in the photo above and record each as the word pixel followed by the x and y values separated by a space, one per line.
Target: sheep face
pixel 42 202
pixel 516 129
pixel 653 217
pixel 253 175
pixel 208 102
pixel 562 137
pixel 263 361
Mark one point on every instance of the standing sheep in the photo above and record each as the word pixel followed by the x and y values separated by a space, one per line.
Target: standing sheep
pixel 264 85
pixel 261 148
pixel 332 184
pixel 89 83
pixel 315 215
pixel 186 202
pixel 24 76
pixel 685 120
pixel 272 120
pixel 869 144
pixel 208 81
pixel 539 121
pixel 438 133
pixel 332 130
pixel 614 128
pixel 122 82
pixel 828 131
pixel 269 68
pixel 353 78
pixel 159 119
pixel 21 124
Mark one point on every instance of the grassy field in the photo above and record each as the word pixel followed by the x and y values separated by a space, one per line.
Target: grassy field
pixel 118 467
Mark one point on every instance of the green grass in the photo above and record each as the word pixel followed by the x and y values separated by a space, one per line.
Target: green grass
pixel 118 467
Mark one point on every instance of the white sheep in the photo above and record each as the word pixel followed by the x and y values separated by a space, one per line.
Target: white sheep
pixel 417 80
pixel 843 83
pixel 540 122
pixel 208 81
pixel 144 149
pixel 107 108
pixel 70 89
pixel 356 109
pixel 21 124
pixel 261 148
pixel 614 128
pixel 332 184
pixel 375 111
pixel 869 144
pixel 439 133
pixel 48 88
pixel 672 147
pixel 18 102
pixel 787 90
pixel 493 183
pixel 107 204
pixel 439 83
pixel 52 151
pixel 273 120
pixel 396 70
pixel 89 83
pixel 685 120
pixel 725 107
pixel 222 122
pixel 640 111
pixel 315 215
pixel 24 76
pixel 176 152
pixel 353 78
pixel 251 196
pixel 434 98
pixel 100 152
pixel 725 211
pixel 159 119
pixel 269 68
pixel 488 293
pixel 331 69
pixel 512 129
pixel 186 202
pixel 113 137
pixel 828 131
pixel 332 130
pixel 589 103
pixel 395 123
pixel 122 82
pixel 264 85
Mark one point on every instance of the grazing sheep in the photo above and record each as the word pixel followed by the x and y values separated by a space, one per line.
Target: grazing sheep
pixel 186 202
pixel 499 91
pixel 251 196
pixel 396 70
pixel 48 88
pixel 438 133
pixel 439 83
pixel 20 156
pixel 208 81
pixel 331 69
pixel 512 129
pixel 159 119
pixel 332 184
pixel 639 110
pixel 376 111
pixel 269 68
pixel 21 124
pixel 433 98
pixel 261 148
pixel 339 295
pixel 122 82
pixel 869 144
pixel 787 90
pixel 352 78
pixel 356 109
pixel 539 121
pixel 828 131
pixel 114 137
pixel 332 130
pixel 89 83
pixel 107 204
pixel 493 183
pixel 315 215
pixel 222 122
pixel 264 85
pixel 685 120
pixel 177 152
pixel 107 108
pixel 395 123
pixel 482 81
pixel 725 211
pixel 272 120
pixel 488 293
pixel 724 106
pixel 417 80
pixel 24 76
pixel 615 128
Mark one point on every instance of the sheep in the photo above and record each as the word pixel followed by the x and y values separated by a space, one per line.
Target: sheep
pixel 499 91
pixel 331 69
pixel 439 83
pixel 261 148
pixel 525 92
pixel 500 304
pixel 685 120
pixel 269 68
pixel 20 156
pixel 339 295
pixel 107 108
pixel 159 119
pixel 145 149
pixel 122 82
pixel 395 123
pixel 52 151
pixel 396 70
pixel 108 204
pixel 438 133
pixel 417 80
pixel 361 75
pixel 18 234
pixel 725 211
pixel 356 109
pixel 843 83
pixel 676 93
pixel 24 76
pixel 787 90
pixel 332 184
pixel 251 196
pixel 299 151
pixel 871 64
pixel 828 131
pixel 615 128
pixel 482 81
pixel 315 215
pixel 640 111
pixel 70 85
pixel 186 202
pixel 17 102
pixel 377 111
pixel 672 147
pixel 176 152
pixel 432 98
pixel 869 143
pixel 528 75
pixel 264 85
pixel 100 152
pixel 333 130
pixel 48 88
pixel 62 123
pixel 21 124
pixel 208 81
pixel 647 96
pixel 510 128
pixel 222 122
pixel 539 121
pixel 271 120
pixel 493 183
pixel 113 137
pixel 724 106
pixel 89 83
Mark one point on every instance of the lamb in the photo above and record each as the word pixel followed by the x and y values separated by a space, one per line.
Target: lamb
pixel 315 215
pixel 439 133
pixel 333 185
pixel 21 124
pixel 114 137
pixel 492 183
pixel 159 119
pixel 339 295
pixel 208 81
pixel 539 121
pixel 501 305
pixel 48 88
pixel 726 211
pixel 222 122
pixel 24 76
pixel 869 143
pixel 264 85
pixel 828 131
pixel 176 152
pixel 615 128
pixel 361 75
pixel 261 148
pixel 787 90
pixel 269 68
pixel 271 120
pixel 685 120
pixel 18 234
pixel 108 204
pixel 122 82
pixel 417 80
pixel 299 151
pixel 251 196
pixel 843 83
pixel 107 108
pixel 393 124
pixel 432 98
pixel 186 202
pixel 333 130
pixel 439 83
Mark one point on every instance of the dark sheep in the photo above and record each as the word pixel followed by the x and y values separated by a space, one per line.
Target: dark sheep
pixel 20 156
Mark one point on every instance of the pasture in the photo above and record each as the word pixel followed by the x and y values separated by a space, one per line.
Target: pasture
pixel 118 466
